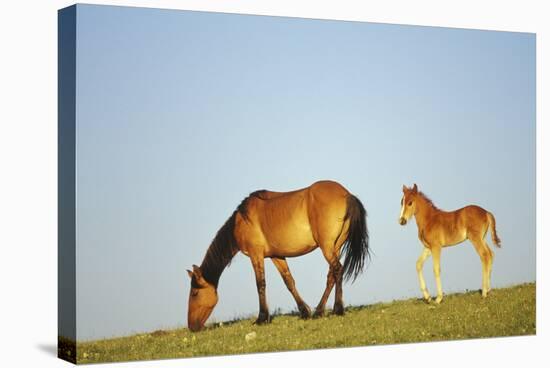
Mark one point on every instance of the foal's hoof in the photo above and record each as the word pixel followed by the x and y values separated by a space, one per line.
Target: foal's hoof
pixel 427 300
pixel 426 295
pixel 438 300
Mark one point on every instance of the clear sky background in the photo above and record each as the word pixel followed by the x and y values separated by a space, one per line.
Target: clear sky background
pixel 181 114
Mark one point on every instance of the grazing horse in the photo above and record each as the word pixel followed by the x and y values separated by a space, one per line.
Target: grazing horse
pixel 438 229
pixel 277 225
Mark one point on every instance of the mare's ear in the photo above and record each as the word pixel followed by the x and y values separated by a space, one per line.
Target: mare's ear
pixel 415 188
pixel 197 271
pixel 404 188
pixel 190 273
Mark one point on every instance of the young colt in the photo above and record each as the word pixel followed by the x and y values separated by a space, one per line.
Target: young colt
pixel 438 229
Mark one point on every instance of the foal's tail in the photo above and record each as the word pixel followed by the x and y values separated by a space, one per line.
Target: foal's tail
pixel 493 224
pixel 356 246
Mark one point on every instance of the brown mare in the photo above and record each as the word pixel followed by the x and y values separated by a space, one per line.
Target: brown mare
pixel 277 225
pixel 438 229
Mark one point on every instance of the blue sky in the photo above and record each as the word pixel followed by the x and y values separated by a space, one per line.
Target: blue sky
pixel 181 114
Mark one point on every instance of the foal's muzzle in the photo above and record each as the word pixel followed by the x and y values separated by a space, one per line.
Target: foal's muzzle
pixel 402 221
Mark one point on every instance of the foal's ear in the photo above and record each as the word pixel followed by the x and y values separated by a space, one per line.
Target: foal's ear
pixel 404 188
pixel 415 188
pixel 190 273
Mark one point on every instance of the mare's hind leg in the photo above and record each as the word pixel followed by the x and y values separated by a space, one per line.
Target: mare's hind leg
pixel 486 257
pixel 283 269
pixel 338 297
pixel 330 232
pixel 320 309
pixel 334 276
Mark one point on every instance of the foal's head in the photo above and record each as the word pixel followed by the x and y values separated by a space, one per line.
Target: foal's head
pixel 203 297
pixel 408 204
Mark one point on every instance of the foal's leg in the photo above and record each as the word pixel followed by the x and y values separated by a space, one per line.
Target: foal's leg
pixel 489 266
pixel 486 259
pixel 436 253
pixel 258 265
pixel 283 269
pixel 419 266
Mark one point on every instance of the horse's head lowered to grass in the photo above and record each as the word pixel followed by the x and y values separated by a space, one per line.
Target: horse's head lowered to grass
pixel 203 297
pixel 289 220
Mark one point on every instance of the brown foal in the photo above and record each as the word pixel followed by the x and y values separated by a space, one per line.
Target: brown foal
pixel 438 229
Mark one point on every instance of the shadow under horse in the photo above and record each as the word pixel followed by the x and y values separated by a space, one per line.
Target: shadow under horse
pixel 277 225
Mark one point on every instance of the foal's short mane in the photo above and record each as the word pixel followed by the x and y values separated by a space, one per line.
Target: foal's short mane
pixel 428 200
pixel 224 245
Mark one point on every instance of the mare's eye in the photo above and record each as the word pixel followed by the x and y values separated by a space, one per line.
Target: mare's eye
pixel 410 203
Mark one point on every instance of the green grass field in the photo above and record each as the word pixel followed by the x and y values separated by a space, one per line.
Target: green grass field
pixel 506 312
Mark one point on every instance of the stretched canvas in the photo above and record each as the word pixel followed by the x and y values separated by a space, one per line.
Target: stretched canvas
pixel 234 184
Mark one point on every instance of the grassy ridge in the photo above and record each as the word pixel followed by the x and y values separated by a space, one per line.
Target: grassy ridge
pixel 506 312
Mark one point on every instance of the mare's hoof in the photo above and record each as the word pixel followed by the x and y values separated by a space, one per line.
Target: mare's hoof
pixel 262 319
pixel 319 313
pixel 305 312
pixel 338 310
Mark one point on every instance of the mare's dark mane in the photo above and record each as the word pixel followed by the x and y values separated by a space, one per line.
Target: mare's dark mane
pixel 224 245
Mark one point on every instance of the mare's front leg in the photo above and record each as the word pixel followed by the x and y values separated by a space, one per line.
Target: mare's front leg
pixel 258 265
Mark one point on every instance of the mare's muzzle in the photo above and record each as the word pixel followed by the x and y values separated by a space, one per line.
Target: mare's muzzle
pixel 402 221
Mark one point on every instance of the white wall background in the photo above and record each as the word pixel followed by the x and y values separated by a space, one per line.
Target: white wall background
pixel 28 258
